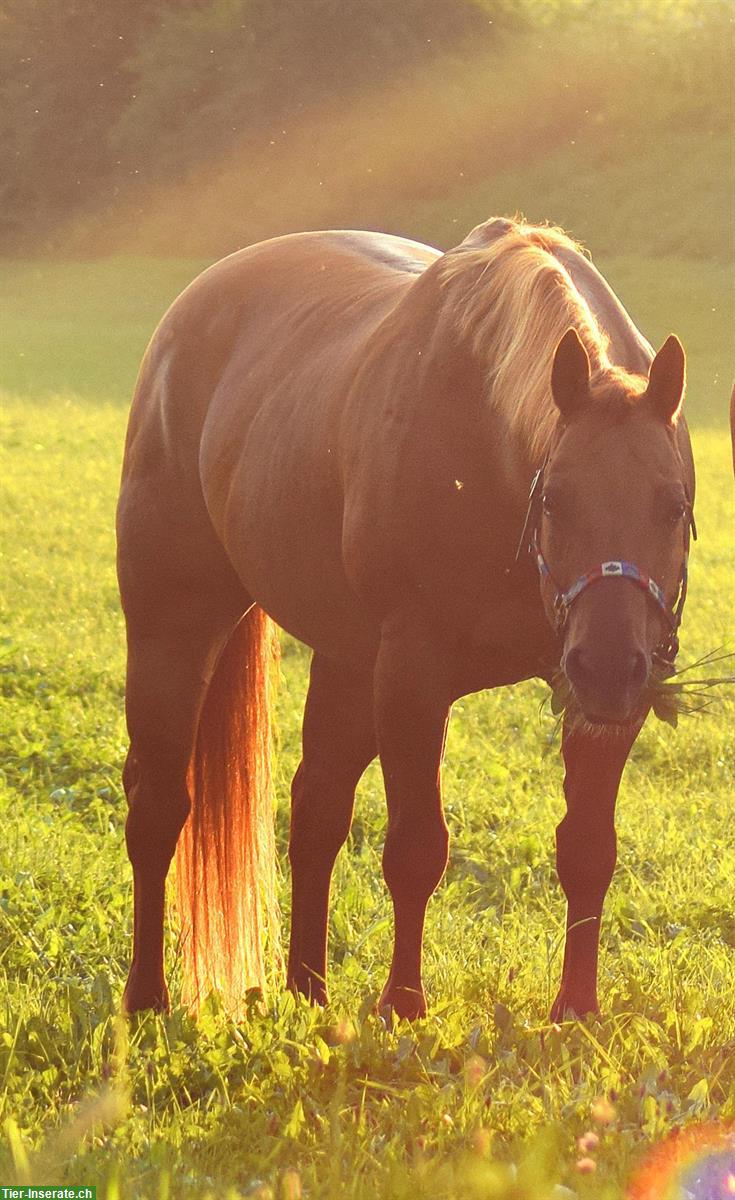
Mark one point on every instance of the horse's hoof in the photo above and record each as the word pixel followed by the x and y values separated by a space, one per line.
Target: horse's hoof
pixel 571 1008
pixel 311 989
pixel 404 1004
pixel 138 997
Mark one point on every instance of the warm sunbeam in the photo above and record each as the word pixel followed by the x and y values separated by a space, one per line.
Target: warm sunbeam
pixel 424 153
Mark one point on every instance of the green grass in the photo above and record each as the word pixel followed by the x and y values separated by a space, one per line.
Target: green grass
pixel 81 328
pixel 483 1098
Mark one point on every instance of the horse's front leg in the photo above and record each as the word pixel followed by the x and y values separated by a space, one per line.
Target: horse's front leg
pixel 586 851
pixel 412 704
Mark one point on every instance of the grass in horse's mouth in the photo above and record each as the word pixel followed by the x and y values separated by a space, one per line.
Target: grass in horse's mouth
pixel 666 694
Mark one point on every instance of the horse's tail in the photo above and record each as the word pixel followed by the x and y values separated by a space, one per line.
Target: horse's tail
pixel 225 858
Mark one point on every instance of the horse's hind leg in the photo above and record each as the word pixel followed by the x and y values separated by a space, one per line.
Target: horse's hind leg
pixel 172 650
pixel 338 744
pixel 585 857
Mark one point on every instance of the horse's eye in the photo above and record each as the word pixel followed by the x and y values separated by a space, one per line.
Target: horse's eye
pixel 677 512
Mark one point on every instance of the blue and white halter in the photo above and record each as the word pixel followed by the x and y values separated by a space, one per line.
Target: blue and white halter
pixel 613 569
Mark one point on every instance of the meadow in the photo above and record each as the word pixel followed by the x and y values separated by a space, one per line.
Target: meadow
pixel 483 1098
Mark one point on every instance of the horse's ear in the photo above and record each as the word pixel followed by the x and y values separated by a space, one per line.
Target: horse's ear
pixel 570 374
pixel 667 379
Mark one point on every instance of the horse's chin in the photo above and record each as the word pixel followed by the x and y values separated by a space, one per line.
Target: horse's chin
pixel 597 727
pixel 613 725
pixel 606 724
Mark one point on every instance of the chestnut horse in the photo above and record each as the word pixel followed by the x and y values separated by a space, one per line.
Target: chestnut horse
pixel 339 430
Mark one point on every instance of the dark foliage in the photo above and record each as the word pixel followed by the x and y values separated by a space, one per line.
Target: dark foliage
pixel 100 97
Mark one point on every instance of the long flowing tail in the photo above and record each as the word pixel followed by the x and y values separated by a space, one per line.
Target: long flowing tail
pixel 225 858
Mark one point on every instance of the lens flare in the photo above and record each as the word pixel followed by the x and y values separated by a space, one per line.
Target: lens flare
pixel 697 1163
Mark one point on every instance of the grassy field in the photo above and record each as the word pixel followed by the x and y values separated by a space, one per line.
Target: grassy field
pixel 483 1098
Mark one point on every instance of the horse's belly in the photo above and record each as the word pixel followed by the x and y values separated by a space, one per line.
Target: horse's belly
pixel 334 633
pixel 308 597
pixel 279 518
pixel 304 590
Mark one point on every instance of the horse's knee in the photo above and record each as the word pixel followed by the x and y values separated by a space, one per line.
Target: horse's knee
pixel 321 814
pixel 415 857
pixel 586 853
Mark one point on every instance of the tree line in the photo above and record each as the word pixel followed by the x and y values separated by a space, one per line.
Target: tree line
pixel 104 99
pixel 99 96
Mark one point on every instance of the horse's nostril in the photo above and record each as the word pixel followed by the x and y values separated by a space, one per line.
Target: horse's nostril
pixel 583 669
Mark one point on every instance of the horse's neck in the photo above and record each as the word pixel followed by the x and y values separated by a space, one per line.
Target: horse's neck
pixel 418 385
pixel 451 408
pixel 628 348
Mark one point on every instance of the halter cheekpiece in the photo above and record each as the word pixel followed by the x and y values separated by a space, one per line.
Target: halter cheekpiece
pixel 667 650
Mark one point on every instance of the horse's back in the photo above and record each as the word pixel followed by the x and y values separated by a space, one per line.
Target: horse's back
pixel 234 418
pixel 329 275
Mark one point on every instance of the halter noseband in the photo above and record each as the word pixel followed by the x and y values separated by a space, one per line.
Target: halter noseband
pixel 667 650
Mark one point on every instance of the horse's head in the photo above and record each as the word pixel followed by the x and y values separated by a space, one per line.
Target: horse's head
pixel 613 525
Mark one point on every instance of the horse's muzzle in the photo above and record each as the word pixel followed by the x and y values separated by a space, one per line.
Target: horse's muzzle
pixel 608 687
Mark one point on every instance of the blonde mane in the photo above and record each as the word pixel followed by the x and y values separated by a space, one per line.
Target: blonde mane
pixel 512 299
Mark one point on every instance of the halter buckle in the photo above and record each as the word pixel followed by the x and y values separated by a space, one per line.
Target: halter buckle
pixel 561 610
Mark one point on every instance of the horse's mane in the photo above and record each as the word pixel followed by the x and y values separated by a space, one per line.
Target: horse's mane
pixel 513 300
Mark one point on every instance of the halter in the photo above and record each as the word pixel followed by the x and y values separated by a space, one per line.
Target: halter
pixel 562 602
